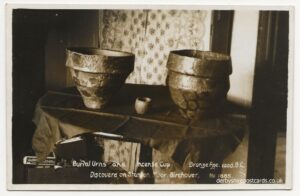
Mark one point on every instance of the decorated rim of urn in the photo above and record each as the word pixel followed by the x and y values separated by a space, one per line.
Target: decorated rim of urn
pixel 200 63
pixel 95 60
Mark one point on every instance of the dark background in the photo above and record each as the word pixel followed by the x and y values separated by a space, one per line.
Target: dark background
pixel 40 38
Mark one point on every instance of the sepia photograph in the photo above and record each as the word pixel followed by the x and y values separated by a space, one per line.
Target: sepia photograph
pixel 159 97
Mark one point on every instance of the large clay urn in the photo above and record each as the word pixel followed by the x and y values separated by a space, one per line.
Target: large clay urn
pixel 98 74
pixel 198 82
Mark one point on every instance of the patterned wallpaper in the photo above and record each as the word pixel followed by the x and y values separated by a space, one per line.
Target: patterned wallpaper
pixel 150 35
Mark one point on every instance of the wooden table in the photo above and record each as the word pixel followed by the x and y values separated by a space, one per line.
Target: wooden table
pixel 62 114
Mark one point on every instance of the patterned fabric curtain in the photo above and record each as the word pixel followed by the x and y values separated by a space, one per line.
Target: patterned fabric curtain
pixel 151 35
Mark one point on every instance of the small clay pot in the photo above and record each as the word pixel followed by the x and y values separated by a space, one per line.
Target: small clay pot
pixel 142 105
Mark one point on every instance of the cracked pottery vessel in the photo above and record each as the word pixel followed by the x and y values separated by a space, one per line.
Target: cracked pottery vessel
pixel 98 74
pixel 198 82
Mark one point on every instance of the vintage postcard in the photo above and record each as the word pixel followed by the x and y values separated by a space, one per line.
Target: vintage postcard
pixel 149 97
